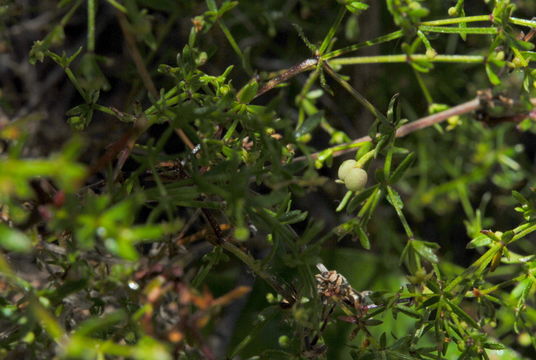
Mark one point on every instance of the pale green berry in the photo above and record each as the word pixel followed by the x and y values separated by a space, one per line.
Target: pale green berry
pixel 345 168
pixel 524 339
pixel 355 179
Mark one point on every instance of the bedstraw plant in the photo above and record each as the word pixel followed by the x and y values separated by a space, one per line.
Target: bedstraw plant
pixel 195 206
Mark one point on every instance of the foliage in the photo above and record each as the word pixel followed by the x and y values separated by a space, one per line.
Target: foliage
pixel 196 232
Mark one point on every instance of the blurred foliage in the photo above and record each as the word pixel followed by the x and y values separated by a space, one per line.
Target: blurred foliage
pixel 195 233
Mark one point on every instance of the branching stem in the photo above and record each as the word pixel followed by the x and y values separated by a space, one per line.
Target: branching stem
pixel 404 130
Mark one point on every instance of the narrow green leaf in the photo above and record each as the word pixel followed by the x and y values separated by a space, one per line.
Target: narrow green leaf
pixel 47 321
pixel 248 92
pixel 494 346
pixel 293 217
pixel 363 238
pixel 522 200
pixel 14 240
pixel 309 124
pixel 359 198
pixel 479 241
pixel 394 198
pixel 493 78
pixel 355 7
pixel 402 168
pixel 425 251
pixel 93 325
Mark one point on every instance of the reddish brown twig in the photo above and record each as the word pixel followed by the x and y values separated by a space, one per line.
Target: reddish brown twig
pixel 404 130
pixel 287 74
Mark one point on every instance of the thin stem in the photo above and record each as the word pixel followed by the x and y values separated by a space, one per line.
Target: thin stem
pixel 364 159
pixel 367 104
pixel 76 84
pixel 457 30
pixel 117 5
pixel 429 26
pixel 400 58
pixel 105 110
pixel 234 45
pixel 65 20
pixel 392 198
pixel 419 124
pixel 332 30
pixel 457 20
pixel 91 11
pixel 307 86
pixel 523 233
pixel 287 74
pixel 481 262
pixel 384 38
pixel 523 22
pixel 167 97
pixel 136 56
pixel 423 87
pixel 344 201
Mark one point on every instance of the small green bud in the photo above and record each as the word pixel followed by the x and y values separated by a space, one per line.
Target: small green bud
pixel 284 341
pixel 224 90
pixel 241 233
pixel 518 62
pixel 524 339
pixel 271 298
pixel 453 11
pixel 431 53
pixel 305 138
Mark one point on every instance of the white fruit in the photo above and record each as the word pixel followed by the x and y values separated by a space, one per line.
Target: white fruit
pixel 355 179
pixel 345 168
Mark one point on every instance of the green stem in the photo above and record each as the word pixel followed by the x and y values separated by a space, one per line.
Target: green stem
pixel 426 42
pixel 429 25
pixel 385 59
pixel 367 104
pixel 171 92
pixel 91 11
pixel 332 31
pixel 457 20
pixel 384 38
pixel 496 287
pixel 76 84
pixel 307 86
pixel 523 233
pixel 118 6
pixel 65 20
pixel 344 201
pixel 392 199
pixel 457 30
pixel 523 22
pixel 104 109
pixel 234 45
pixel 423 87
pixel 478 264
pixel 363 159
